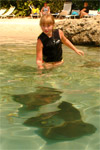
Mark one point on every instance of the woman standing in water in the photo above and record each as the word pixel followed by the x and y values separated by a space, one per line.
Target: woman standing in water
pixel 49 44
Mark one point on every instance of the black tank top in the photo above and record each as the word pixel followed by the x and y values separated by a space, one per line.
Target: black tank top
pixel 52 47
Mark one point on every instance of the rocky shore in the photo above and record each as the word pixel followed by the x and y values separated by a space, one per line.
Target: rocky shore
pixel 85 31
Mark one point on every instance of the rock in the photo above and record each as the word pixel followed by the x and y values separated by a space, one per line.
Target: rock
pixel 81 31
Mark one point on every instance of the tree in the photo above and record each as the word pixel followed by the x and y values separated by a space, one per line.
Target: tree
pixel 22 6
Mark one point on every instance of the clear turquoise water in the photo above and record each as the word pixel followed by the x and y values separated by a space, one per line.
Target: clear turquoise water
pixel 77 81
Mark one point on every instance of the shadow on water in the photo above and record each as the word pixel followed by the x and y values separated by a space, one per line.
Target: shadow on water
pixel 22 69
pixel 91 64
pixel 27 70
pixel 64 124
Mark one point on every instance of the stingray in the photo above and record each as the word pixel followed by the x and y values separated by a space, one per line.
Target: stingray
pixel 66 113
pixel 42 96
pixel 66 123
pixel 69 130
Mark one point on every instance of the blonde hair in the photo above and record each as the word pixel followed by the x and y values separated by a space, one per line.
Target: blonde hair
pixel 47 19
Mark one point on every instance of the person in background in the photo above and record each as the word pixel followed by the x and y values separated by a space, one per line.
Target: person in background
pixel 45 9
pixel 99 10
pixel 49 44
pixel 34 11
pixel 85 10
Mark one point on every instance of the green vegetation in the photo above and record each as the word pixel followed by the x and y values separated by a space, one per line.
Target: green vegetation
pixel 23 9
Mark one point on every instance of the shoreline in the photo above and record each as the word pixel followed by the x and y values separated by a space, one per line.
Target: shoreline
pixel 20 30
pixel 16 30
pixel 26 30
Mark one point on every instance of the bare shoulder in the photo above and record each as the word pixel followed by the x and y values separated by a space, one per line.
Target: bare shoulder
pixel 39 43
pixel 48 7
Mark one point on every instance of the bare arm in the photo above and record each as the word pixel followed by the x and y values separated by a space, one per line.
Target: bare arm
pixel 84 9
pixel 39 56
pixel 69 44
pixel 48 10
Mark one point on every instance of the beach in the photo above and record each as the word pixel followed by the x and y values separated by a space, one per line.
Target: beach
pixel 19 30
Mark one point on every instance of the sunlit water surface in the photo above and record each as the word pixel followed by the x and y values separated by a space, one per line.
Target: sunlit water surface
pixel 26 93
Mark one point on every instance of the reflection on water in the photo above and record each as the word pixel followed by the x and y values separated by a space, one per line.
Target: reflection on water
pixel 38 108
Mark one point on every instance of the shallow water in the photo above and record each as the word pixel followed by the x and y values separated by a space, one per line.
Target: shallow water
pixel 28 95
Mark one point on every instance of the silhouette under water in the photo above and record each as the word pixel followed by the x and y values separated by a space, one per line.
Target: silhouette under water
pixel 66 123
pixel 42 96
